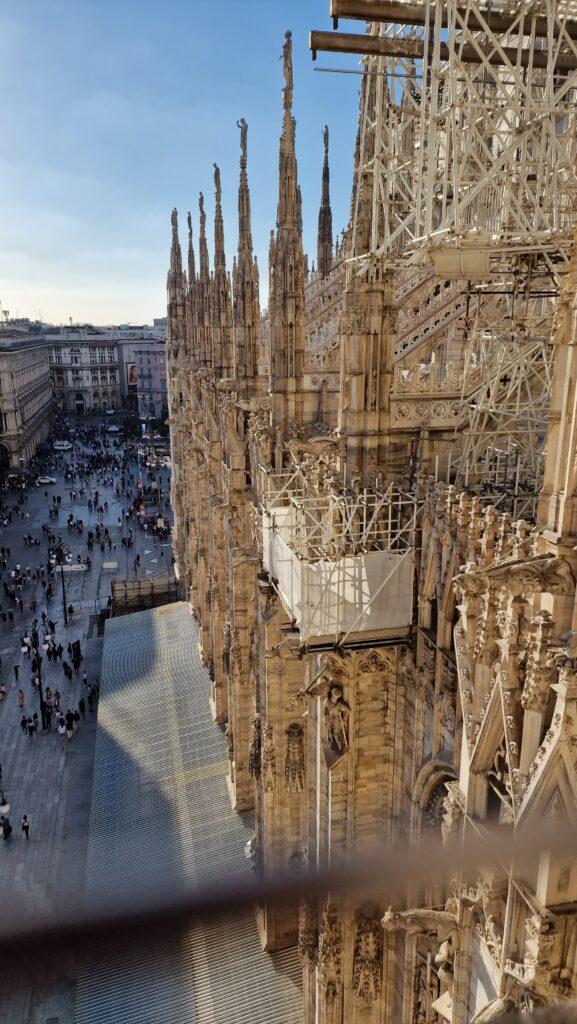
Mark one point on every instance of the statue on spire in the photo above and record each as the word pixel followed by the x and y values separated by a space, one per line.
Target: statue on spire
pixel 174 221
pixel 189 222
pixel 287 56
pixel 202 213
pixel 217 185
pixel 326 141
pixel 243 133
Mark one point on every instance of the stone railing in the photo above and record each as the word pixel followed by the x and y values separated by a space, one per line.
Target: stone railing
pixel 452 379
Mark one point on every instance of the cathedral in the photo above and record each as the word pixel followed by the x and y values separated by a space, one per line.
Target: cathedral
pixel 375 499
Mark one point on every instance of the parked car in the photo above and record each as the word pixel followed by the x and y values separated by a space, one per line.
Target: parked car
pixel 62 446
pixel 46 480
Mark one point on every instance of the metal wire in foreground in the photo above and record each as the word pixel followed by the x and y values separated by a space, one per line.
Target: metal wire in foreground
pixel 130 916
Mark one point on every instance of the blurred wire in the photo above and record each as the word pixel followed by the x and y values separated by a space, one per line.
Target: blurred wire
pixel 382 875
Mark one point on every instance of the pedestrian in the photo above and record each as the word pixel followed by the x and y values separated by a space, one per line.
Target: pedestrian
pixel 20 697
pixel 76 716
pixel 30 726
pixel 5 826
pixel 82 708
pixel 61 726
pixel 16 670
pixel 57 700
pixel 69 719
pixel 24 724
pixel 25 826
pixel 85 678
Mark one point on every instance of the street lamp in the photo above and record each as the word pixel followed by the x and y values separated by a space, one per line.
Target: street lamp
pixel 60 560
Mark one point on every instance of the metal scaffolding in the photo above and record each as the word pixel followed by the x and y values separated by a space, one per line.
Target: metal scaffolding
pixel 342 561
pixel 465 164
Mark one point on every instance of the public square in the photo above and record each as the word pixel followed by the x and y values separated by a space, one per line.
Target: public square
pixel 46 775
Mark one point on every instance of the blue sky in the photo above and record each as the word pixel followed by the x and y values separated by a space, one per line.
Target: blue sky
pixel 113 112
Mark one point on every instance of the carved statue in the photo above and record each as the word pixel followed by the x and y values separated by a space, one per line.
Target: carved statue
pixel 217 184
pixel 243 134
pixel 336 713
pixel 288 71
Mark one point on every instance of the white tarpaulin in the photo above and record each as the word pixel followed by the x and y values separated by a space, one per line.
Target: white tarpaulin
pixel 328 597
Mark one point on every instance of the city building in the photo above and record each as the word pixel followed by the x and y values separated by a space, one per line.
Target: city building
pixel 26 405
pixel 374 488
pixel 151 382
pixel 142 357
pixel 84 369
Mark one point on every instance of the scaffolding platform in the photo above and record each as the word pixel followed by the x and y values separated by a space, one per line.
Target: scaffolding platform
pixel 342 562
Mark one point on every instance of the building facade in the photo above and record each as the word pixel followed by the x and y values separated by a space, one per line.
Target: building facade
pixel 26 405
pixel 142 355
pixel 384 579
pixel 84 369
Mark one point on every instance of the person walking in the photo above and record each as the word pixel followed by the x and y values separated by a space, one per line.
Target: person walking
pixel 5 826
pixel 20 698
pixel 16 670
pixel 30 726
pixel 82 708
pixel 26 826
pixel 69 719
pixel 24 724
pixel 85 678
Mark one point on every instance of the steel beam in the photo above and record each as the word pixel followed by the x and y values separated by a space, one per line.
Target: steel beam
pixel 377 46
pixel 414 14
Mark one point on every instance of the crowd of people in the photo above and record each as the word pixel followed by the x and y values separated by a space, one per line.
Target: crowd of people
pixel 31 592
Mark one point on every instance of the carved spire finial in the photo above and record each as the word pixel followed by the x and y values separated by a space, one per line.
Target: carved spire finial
pixel 244 226
pixel 202 246
pixel 175 254
pixel 325 223
pixel 219 256
pixel 191 261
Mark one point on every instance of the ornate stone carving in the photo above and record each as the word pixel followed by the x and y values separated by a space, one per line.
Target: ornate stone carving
pixel 294 769
pixel 452 812
pixel 330 953
pixel 255 749
pixel 268 760
pixel 375 662
pixel 368 955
